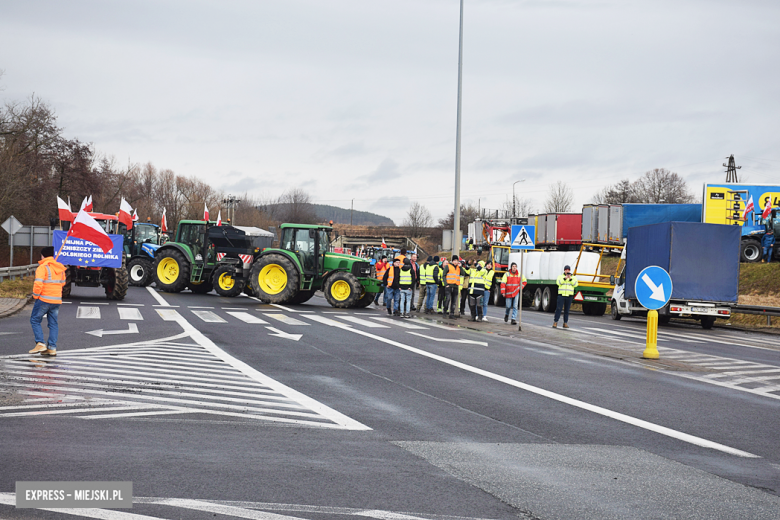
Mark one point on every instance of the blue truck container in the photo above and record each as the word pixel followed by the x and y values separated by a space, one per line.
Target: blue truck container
pixel 702 259
pixel 622 217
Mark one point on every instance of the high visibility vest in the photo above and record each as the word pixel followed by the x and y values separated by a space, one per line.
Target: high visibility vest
pixel 488 277
pixel 476 281
pixel 49 280
pixel 453 275
pixel 390 276
pixel 510 284
pixel 426 274
pixel 566 287
pixel 381 269
pixel 405 278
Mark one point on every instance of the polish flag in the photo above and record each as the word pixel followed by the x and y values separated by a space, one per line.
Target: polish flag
pixel 84 204
pixel 86 228
pixel 205 212
pixel 63 209
pixel 219 218
pixel 164 223
pixel 383 243
pixel 126 214
pixel 767 208
pixel 135 215
pixel 750 207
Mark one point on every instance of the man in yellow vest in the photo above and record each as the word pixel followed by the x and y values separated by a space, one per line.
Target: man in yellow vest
pixel 476 291
pixel 566 285
pixel 47 291
pixel 487 277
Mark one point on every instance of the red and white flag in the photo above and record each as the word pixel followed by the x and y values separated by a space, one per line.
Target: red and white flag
pixel 86 228
pixel 64 211
pixel 748 208
pixel 383 243
pixel 126 214
pixel 205 212
pixel 164 223
pixel 219 218
pixel 84 204
pixel 767 208
pixel 135 215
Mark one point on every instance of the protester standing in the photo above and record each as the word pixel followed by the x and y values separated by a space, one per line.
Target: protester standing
pixel 416 269
pixel 392 281
pixel 566 285
pixel 452 278
pixel 47 292
pixel 487 278
pixel 511 284
pixel 381 269
pixel 405 286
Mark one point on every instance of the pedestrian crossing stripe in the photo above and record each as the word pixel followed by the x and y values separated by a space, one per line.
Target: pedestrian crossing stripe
pixel 184 374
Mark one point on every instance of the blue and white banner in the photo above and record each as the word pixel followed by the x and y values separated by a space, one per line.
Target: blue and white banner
pixel 81 253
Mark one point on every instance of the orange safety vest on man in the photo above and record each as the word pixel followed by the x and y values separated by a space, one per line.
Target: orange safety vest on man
pixel 381 267
pixel 453 275
pixel 49 280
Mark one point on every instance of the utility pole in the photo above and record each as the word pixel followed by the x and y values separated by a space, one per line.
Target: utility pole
pixel 231 202
pixel 456 214
pixel 731 172
pixel 351 210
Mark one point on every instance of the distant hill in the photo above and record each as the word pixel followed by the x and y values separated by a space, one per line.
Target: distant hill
pixel 326 213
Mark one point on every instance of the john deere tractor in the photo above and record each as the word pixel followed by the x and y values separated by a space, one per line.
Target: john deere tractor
pixel 203 257
pixel 302 265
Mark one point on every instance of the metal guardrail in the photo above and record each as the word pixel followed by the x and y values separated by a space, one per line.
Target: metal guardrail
pixel 13 272
pixel 757 309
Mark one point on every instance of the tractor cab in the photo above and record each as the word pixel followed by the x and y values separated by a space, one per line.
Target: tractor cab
pixel 309 244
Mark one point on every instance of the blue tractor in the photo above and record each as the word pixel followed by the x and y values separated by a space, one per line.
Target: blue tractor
pixel 141 244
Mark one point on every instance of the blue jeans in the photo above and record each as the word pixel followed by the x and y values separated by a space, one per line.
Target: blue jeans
pixel 392 299
pixel 768 253
pixel 564 304
pixel 406 300
pixel 485 299
pixel 50 310
pixel 511 303
pixel 430 296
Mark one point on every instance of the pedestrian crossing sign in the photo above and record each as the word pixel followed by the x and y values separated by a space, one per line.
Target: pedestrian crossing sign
pixel 523 237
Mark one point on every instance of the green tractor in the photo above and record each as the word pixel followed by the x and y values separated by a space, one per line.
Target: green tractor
pixel 203 257
pixel 302 265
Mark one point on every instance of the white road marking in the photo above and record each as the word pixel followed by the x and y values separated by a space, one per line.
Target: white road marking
pixel 447 340
pixel 88 313
pixel 403 324
pixel 285 335
pixel 289 320
pixel 129 313
pixel 93 303
pixel 248 318
pixel 131 304
pixel 168 314
pixel 698 441
pixel 365 323
pixel 198 307
pixel 208 317
pixel 132 328
pixel 9 499
pixel 160 300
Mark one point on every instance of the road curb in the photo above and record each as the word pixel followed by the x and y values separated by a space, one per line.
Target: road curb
pixel 15 307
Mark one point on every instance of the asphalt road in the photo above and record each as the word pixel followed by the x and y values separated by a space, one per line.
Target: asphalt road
pixel 220 407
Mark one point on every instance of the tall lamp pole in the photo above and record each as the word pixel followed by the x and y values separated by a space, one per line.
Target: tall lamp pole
pixel 514 212
pixel 456 220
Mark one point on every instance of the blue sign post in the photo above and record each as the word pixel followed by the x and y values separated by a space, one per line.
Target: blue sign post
pixel 653 288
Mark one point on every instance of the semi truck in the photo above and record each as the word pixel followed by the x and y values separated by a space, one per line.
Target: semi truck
pixel 725 204
pixel 609 223
pixel 561 231
pixel 702 260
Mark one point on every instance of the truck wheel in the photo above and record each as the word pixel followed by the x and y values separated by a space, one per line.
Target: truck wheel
pixel 202 287
pixel 342 290
pixel 614 308
pixel 225 283
pixel 68 283
pixel 302 297
pixel 598 308
pixel 116 288
pixel 548 299
pixel 171 271
pixel 750 251
pixel 707 322
pixel 275 278
pixel 587 309
pixel 537 300
pixel 140 272
pixel 365 300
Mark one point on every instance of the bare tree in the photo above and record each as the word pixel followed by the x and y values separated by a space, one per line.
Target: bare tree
pixel 418 219
pixel 295 205
pixel 621 193
pixel 660 185
pixel 520 207
pixel 468 213
pixel 559 199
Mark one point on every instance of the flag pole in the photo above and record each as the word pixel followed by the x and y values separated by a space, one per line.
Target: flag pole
pixel 61 245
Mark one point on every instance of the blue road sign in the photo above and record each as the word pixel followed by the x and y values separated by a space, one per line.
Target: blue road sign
pixel 523 237
pixel 653 287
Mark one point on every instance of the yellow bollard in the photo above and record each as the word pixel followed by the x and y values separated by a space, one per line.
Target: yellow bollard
pixel 651 350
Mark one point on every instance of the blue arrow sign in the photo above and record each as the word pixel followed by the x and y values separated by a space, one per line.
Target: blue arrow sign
pixel 523 237
pixel 653 287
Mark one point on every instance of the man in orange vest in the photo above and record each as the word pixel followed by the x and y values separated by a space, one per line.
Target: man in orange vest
pixel 47 291
pixel 392 282
pixel 451 277
pixel 381 268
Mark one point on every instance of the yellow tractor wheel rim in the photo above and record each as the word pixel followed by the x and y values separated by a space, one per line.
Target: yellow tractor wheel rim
pixel 168 270
pixel 340 290
pixel 226 281
pixel 272 279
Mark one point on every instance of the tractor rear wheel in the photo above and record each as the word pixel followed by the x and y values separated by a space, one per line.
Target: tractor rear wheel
pixel 342 290
pixel 302 297
pixel 275 278
pixel 226 283
pixel 171 271
pixel 140 272
pixel 116 288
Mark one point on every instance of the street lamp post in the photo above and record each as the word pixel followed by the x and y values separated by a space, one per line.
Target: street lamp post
pixel 456 214
pixel 514 212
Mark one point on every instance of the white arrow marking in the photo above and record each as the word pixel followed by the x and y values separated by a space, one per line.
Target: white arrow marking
pixel 282 334
pixel 483 343
pixel 658 291
pixel 132 329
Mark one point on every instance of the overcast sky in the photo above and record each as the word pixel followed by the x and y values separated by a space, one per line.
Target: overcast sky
pixel 356 99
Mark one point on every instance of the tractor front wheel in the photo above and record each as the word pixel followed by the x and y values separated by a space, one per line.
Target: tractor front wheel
pixel 201 287
pixel 226 283
pixel 275 278
pixel 365 300
pixel 302 297
pixel 342 290
pixel 140 272
pixel 171 271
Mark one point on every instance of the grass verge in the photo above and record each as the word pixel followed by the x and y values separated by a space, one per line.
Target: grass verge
pixel 19 288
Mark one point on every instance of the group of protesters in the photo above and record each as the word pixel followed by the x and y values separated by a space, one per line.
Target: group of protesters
pixel 445 286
